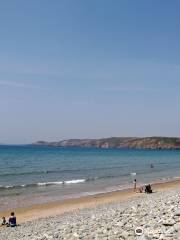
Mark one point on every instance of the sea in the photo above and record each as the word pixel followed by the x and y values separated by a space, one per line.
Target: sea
pixel 32 175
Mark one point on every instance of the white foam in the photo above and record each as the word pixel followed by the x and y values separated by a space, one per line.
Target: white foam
pixel 8 186
pixel 75 181
pixel 49 183
pixel 133 174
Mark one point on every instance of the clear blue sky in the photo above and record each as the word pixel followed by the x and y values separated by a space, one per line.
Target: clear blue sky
pixel 89 69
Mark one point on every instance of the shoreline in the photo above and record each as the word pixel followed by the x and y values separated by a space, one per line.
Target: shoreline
pixel 74 204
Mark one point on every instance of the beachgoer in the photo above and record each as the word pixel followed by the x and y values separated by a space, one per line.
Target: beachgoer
pixel 12 220
pixel 135 182
pixel 148 189
pixel 3 221
pixel 152 166
pixel 141 189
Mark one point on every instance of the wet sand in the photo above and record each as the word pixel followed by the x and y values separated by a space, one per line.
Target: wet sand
pixel 60 207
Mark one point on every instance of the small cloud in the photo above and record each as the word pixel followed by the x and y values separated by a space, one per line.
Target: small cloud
pixel 130 89
pixel 19 85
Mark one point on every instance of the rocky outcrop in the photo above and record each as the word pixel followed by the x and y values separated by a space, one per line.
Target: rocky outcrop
pixel 118 142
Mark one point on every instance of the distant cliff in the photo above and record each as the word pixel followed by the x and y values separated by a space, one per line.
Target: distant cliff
pixel 119 142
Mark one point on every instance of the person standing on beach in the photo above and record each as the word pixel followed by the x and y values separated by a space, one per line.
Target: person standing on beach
pixel 135 183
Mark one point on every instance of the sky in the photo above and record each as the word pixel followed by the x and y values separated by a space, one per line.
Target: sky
pixel 89 69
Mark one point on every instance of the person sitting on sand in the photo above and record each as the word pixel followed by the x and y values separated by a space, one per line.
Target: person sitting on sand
pixel 4 221
pixel 12 220
pixel 141 189
pixel 148 189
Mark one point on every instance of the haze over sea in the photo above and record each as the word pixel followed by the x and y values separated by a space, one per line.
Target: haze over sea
pixel 35 174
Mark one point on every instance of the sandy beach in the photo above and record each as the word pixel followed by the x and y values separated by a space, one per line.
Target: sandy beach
pixel 61 207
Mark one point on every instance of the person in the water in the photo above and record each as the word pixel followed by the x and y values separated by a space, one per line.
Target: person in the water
pixel 152 166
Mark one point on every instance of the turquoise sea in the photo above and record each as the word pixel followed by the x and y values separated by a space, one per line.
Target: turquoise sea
pixel 33 174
